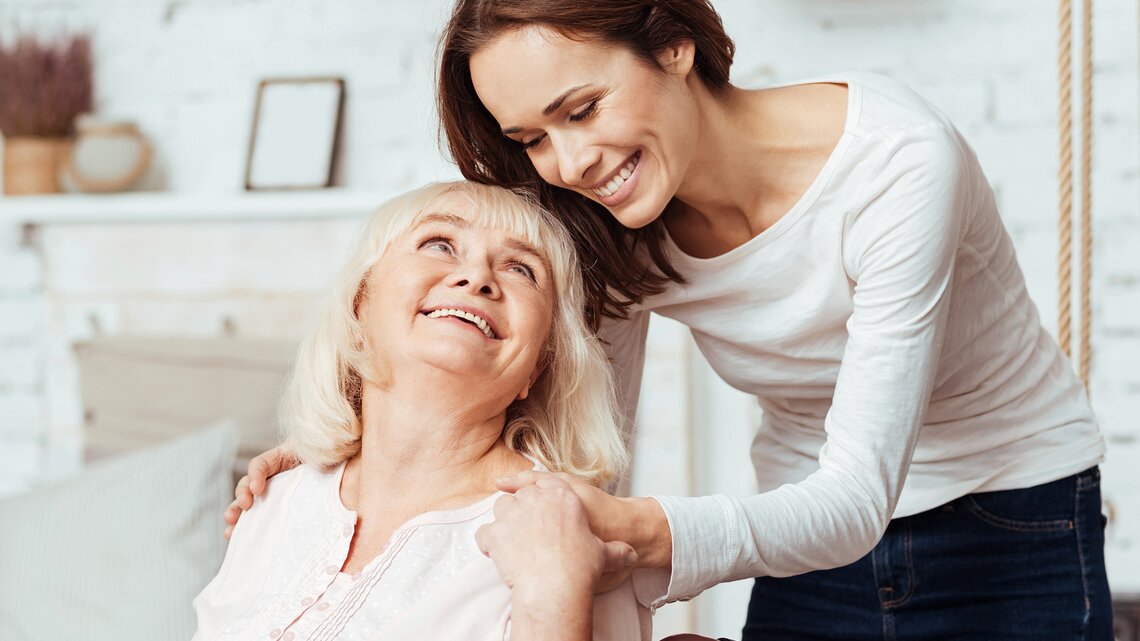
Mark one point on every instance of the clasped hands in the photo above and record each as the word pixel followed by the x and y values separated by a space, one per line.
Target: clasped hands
pixel 541 539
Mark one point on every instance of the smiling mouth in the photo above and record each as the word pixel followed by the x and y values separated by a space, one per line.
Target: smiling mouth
pixel 467 317
pixel 618 179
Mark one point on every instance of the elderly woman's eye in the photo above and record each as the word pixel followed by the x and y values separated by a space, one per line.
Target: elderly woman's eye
pixel 438 243
pixel 523 269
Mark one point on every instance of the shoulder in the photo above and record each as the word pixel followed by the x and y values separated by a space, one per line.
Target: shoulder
pixel 885 103
pixel 901 134
pixel 279 488
pixel 893 132
pixel 305 487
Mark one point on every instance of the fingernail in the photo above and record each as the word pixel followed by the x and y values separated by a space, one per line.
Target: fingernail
pixel 630 558
pixel 504 479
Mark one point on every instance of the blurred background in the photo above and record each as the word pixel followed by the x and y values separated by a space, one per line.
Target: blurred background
pixel 165 285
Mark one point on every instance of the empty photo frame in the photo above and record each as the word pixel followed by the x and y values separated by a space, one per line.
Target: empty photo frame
pixel 296 130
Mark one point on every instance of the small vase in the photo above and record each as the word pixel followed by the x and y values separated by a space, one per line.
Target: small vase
pixel 107 156
pixel 32 164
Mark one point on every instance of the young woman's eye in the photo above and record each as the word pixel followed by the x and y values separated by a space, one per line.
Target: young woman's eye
pixel 585 113
pixel 438 243
pixel 533 143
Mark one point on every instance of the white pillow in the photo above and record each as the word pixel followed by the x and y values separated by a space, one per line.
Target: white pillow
pixel 119 552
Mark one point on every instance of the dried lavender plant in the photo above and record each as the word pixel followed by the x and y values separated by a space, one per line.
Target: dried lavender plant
pixel 44 86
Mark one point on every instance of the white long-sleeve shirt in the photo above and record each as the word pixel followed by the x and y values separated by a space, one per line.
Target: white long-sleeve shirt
pixel 884 326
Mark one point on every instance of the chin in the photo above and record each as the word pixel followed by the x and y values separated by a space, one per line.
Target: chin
pixel 635 216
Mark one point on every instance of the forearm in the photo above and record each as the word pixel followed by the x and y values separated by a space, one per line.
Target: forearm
pixel 552 613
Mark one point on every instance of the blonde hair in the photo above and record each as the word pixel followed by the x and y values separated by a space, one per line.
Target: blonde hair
pixel 568 421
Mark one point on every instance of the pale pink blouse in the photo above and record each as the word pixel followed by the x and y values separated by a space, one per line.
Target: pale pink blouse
pixel 281 578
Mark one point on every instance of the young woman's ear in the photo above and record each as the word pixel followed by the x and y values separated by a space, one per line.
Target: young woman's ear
pixel 678 58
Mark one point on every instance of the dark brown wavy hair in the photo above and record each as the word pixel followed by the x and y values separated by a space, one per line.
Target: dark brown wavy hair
pixel 614 274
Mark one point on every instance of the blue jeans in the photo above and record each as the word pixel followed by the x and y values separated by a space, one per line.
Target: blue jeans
pixel 994 566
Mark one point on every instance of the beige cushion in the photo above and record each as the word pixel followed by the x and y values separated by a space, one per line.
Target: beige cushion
pixel 120 551
pixel 139 391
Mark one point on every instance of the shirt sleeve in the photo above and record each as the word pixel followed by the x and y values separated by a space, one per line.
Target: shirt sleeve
pixel 899 246
pixel 624 344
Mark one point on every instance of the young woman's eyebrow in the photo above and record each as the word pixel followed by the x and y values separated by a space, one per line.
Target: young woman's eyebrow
pixel 549 109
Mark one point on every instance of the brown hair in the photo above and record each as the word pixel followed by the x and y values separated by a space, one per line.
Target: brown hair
pixel 614 275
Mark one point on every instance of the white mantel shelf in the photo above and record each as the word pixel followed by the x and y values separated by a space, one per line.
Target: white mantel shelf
pixel 172 207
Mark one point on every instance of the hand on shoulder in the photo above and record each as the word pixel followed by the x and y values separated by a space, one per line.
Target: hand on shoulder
pixel 261 468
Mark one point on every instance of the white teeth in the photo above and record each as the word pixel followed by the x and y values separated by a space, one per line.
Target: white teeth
pixel 618 180
pixel 479 322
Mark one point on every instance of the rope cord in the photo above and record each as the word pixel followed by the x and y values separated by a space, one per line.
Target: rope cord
pixel 1086 189
pixel 1065 178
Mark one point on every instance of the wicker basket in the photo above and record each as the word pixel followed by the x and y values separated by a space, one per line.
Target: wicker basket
pixel 32 165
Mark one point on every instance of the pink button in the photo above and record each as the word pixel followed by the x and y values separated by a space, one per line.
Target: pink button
pixel 331 569
pixel 276 633
pixel 307 600
pixel 288 636
pixel 323 605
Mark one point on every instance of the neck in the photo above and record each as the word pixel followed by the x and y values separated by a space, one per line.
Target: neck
pixel 744 153
pixel 424 447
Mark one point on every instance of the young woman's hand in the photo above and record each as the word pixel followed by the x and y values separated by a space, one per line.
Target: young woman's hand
pixel 638 521
pixel 542 546
pixel 261 467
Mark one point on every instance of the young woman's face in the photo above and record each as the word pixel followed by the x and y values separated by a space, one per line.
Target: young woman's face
pixel 592 117
pixel 473 301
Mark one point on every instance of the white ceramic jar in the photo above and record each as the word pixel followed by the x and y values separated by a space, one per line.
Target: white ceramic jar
pixel 107 156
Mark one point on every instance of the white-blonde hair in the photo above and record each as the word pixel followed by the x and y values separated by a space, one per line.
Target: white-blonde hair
pixel 568 421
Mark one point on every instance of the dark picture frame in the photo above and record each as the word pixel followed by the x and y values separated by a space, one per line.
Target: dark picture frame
pixel 295 136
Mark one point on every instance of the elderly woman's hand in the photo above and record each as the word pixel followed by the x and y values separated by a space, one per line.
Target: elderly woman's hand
pixel 638 521
pixel 542 546
pixel 541 539
pixel 261 467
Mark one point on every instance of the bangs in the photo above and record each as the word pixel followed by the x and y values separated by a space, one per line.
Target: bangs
pixel 496 209
pixel 484 207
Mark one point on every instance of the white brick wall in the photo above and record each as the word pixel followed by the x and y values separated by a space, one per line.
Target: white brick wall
pixel 187 70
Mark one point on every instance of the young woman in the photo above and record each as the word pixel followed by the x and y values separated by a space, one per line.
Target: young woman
pixel 927 459
pixel 452 352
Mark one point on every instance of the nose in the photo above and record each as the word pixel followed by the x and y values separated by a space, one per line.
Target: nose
pixel 575 157
pixel 475 278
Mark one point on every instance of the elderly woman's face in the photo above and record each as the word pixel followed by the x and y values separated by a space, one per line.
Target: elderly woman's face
pixel 462 298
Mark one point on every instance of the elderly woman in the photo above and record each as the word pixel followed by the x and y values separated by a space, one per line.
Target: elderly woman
pixel 452 352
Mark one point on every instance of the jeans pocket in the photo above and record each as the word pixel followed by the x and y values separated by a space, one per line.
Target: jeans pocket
pixel 1044 508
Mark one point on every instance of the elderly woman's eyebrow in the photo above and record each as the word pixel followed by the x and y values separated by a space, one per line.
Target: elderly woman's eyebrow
pixel 459 221
pixel 526 248
pixel 447 219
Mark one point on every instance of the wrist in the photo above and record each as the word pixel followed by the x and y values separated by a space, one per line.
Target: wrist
pixel 648 533
pixel 551 594
pixel 552 612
